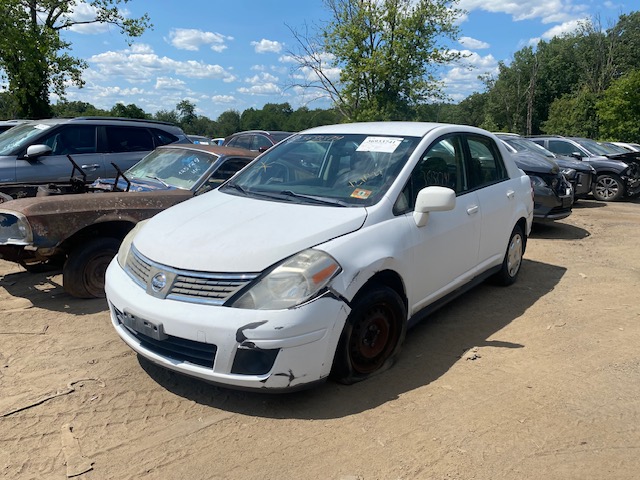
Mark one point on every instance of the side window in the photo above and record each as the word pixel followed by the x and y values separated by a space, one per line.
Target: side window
pixel 563 148
pixel 227 170
pixel 241 141
pixel 441 165
pixel 485 165
pixel 72 139
pixel 163 138
pixel 128 139
pixel 261 142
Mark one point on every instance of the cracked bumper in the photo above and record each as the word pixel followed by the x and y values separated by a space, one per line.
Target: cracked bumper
pixel 296 346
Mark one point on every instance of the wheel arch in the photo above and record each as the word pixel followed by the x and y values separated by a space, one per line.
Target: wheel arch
pixel 388 278
pixel 114 229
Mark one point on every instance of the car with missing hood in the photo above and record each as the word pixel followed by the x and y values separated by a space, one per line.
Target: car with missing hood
pixel 315 259
pixel 82 232
pixel 581 175
pixel 617 174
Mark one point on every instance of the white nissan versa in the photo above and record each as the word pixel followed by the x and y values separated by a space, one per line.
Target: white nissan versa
pixel 313 260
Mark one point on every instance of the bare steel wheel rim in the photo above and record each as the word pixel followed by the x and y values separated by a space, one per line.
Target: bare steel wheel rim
pixel 607 187
pixel 514 256
pixel 373 338
pixel 95 272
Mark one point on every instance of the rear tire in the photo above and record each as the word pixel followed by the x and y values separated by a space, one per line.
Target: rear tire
pixel 608 188
pixel 372 335
pixel 84 270
pixel 512 258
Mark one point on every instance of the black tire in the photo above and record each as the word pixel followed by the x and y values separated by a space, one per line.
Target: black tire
pixel 512 258
pixel 84 270
pixel 608 188
pixel 372 335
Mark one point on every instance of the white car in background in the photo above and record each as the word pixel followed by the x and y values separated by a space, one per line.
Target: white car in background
pixel 314 260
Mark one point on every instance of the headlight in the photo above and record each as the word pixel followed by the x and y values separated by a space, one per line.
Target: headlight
pixel 125 246
pixel 296 280
pixel 15 229
pixel 569 173
pixel 537 181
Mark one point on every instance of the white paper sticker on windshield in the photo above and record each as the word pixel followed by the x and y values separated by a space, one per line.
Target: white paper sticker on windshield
pixel 41 126
pixel 379 144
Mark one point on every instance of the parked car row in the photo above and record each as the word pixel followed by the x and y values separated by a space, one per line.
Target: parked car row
pixel 278 266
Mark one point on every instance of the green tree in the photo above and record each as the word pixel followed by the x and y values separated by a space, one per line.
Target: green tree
pixel 33 56
pixel 573 115
pixel 619 109
pixel 128 111
pixel 228 123
pixel 386 53
pixel 77 109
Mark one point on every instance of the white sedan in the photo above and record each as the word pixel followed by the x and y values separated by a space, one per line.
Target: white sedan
pixel 314 260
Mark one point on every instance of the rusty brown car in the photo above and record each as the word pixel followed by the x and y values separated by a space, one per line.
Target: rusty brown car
pixel 82 232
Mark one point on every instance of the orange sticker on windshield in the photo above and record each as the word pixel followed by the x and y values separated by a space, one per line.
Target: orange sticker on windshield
pixel 361 193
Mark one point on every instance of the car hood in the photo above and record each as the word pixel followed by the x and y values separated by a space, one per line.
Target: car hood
pixel 219 232
pixel 569 162
pixel 531 162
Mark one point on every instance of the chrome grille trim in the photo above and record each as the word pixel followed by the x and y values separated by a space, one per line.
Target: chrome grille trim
pixel 187 286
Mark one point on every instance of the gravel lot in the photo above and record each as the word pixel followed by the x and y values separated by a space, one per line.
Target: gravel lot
pixel 540 380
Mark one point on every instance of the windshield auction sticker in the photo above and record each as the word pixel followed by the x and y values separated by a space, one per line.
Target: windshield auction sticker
pixel 361 193
pixel 379 144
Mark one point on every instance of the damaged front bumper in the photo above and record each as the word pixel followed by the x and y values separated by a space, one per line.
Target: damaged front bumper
pixel 239 348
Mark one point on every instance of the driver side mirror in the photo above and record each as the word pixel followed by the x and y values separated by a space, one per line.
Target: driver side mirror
pixel 35 151
pixel 576 155
pixel 432 199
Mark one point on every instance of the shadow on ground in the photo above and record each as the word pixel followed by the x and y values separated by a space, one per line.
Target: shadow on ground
pixel 430 350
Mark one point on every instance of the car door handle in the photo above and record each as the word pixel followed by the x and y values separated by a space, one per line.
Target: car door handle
pixel 91 168
pixel 473 210
pixel 511 194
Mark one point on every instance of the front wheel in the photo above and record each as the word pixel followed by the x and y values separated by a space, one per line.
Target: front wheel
pixel 372 336
pixel 512 258
pixel 608 188
pixel 84 270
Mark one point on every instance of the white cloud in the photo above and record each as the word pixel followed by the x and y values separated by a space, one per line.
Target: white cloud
pixel 473 43
pixel 192 39
pixel 263 77
pixel 267 46
pixel 146 66
pixel 559 30
pixel 264 89
pixel 168 83
pixel 548 11
pixel 224 99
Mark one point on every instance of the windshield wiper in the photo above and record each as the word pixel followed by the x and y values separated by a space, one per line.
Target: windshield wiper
pixel 236 187
pixel 158 179
pixel 323 200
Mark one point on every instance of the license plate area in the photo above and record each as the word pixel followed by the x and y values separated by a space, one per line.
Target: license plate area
pixel 153 330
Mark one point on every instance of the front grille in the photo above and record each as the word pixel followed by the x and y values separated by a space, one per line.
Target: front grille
pixel 184 285
pixel 176 348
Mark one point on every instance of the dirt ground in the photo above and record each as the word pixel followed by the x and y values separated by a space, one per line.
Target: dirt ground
pixel 540 380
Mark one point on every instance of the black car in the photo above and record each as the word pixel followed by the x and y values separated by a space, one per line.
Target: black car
pixel 581 175
pixel 618 174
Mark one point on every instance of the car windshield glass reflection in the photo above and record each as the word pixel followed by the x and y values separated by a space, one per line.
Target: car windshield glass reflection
pixel 174 167
pixel 19 136
pixel 341 170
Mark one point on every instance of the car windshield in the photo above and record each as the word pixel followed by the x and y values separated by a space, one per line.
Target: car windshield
pixel 174 167
pixel 522 144
pixel 594 147
pixel 340 170
pixel 20 136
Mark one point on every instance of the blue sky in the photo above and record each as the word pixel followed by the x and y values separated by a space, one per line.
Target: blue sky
pixel 233 55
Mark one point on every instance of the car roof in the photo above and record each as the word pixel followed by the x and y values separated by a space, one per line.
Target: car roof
pixel 212 148
pixel 413 129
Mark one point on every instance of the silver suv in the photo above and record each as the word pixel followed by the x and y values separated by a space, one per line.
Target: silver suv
pixel 35 153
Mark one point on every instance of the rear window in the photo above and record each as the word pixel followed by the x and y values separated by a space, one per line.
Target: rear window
pixel 129 139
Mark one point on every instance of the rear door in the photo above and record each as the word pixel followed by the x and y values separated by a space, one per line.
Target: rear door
pixel 126 146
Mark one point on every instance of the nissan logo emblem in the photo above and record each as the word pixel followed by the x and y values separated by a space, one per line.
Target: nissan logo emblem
pixel 158 282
